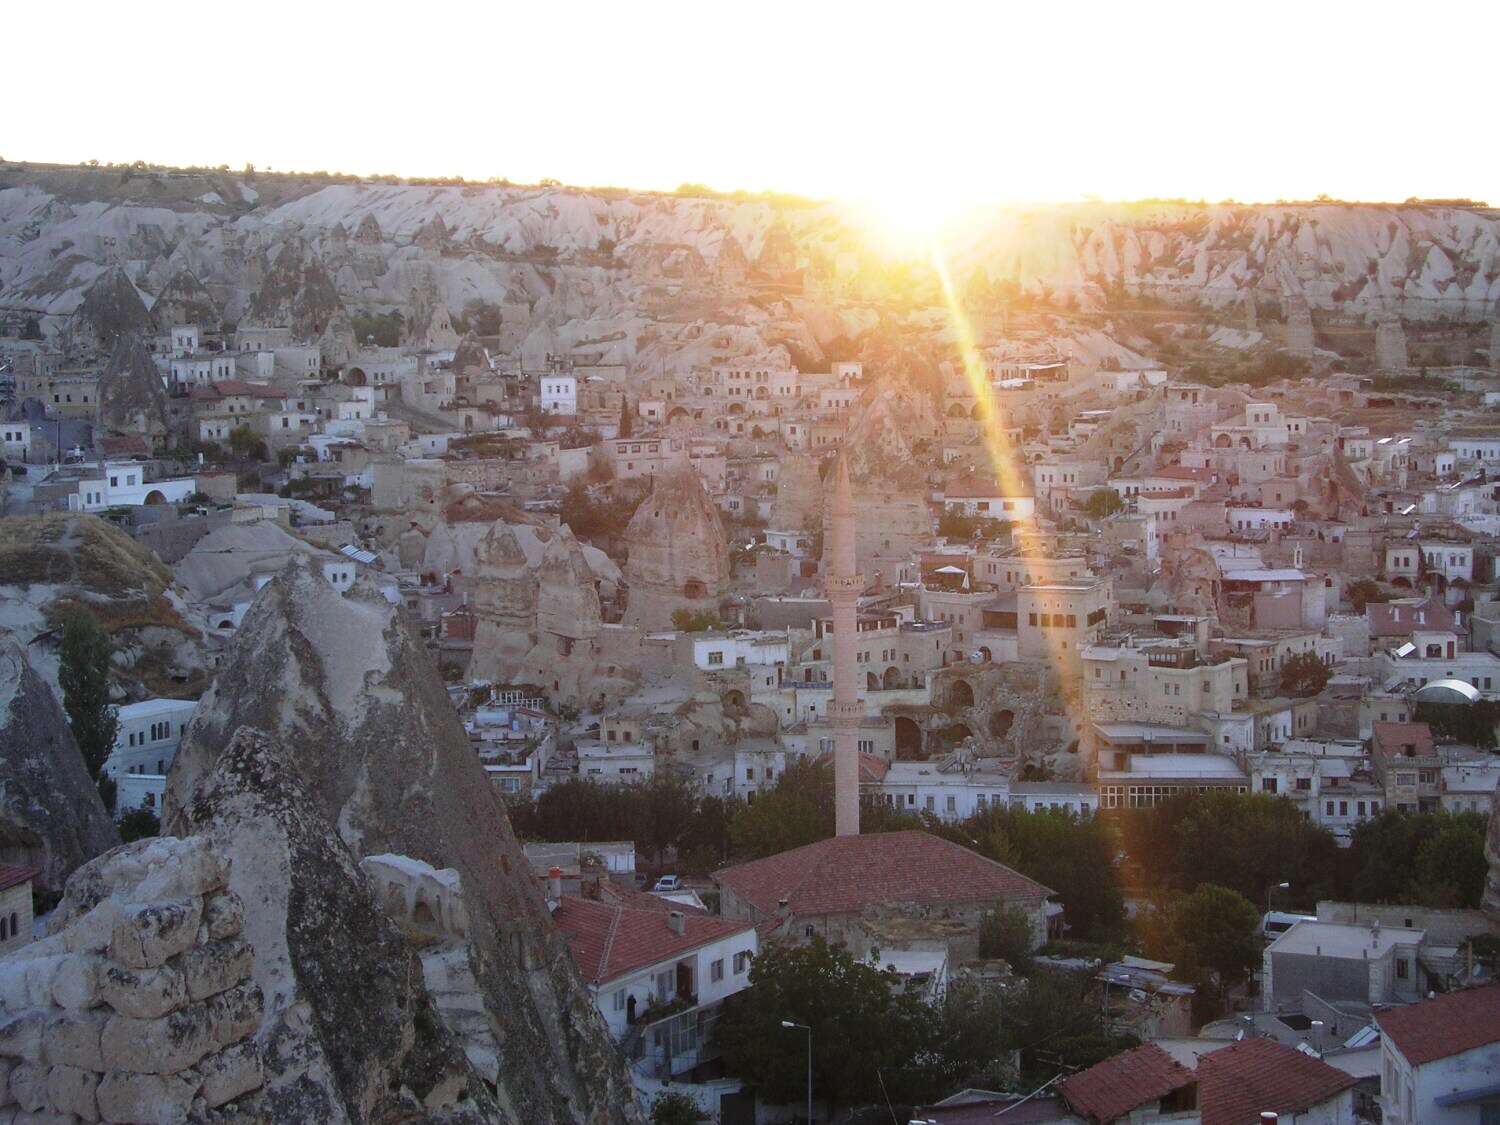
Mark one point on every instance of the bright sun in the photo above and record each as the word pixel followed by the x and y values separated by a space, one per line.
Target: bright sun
pixel 909 220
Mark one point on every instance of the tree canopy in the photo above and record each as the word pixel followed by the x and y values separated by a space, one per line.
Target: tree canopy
pixel 83 675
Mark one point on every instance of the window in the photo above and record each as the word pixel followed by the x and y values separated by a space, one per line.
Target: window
pixel 716 657
pixel 1401 968
pixel 742 958
pixel 619 1000
pixel 716 970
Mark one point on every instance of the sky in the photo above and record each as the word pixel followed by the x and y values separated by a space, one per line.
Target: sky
pixel 914 109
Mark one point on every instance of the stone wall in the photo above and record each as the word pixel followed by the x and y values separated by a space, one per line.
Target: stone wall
pixel 140 1009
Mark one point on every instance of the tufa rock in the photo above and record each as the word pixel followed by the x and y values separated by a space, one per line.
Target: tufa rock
pixel 677 553
pixel 51 817
pixel 376 748
pixel 131 397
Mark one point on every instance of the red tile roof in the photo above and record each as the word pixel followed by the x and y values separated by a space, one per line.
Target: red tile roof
pixel 1236 1084
pixel 15 876
pixel 872 767
pixel 1448 1025
pixel 613 941
pixel 1112 1088
pixel 844 874
pixel 124 445
pixel 1179 472
pixel 1389 738
pixel 1387 620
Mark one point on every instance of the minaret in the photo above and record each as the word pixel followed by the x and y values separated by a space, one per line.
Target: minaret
pixel 844 586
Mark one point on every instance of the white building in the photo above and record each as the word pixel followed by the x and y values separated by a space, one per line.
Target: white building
pixel 145 744
pixel 742 648
pixel 640 960
pixel 124 484
pixel 615 764
pixel 947 791
pixel 15 441
pixel 1440 1058
pixel 559 394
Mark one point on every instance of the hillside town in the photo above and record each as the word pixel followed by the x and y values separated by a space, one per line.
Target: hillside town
pixel 980 683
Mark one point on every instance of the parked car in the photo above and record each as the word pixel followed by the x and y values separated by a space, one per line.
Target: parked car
pixel 668 883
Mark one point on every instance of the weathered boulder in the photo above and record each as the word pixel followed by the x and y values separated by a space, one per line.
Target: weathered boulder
pixel 51 817
pixel 349 689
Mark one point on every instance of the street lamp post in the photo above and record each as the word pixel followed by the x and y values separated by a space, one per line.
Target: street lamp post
pixel 1275 887
pixel 802 1026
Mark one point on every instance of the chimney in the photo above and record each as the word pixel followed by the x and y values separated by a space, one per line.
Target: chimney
pixel 1268 1118
pixel 676 922
pixel 783 909
pixel 554 883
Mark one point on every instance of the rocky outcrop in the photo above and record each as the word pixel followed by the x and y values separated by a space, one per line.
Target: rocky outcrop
pixel 539 620
pixel 297 293
pixel 242 972
pixel 677 554
pixel 132 399
pixel 185 300
pixel 428 325
pixel 799 493
pixel 112 310
pixel 349 689
pixel 51 817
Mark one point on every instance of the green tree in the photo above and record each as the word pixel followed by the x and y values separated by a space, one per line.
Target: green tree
pixel 1304 675
pixel 138 824
pixel 1247 842
pixel 1074 856
pixel 84 677
pixel 244 444
pixel 1054 1022
pixel 798 811
pixel 867 1031
pixel 1006 933
pixel 1450 868
pixel 1104 502
pixel 1215 929
pixel 626 421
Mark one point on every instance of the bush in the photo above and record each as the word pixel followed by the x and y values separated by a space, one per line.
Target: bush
pixel 1006 933
pixel 674 1109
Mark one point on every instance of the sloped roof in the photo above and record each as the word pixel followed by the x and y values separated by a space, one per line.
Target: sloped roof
pixel 1112 1088
pixel 1397 620
pixel 613 941
pixel 1388 738
pixel 1448 1025
pixel 844 874
pixel 1236 1084
pixel 15 876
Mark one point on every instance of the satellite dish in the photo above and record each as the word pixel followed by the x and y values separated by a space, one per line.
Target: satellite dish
pixel 976 657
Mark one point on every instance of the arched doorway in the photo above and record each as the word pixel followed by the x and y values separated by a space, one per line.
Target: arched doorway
pixel 985 654
pixel 355 377
pixel 961 694
pixel 956 410
pixel 872 682
pixel 908 738
pixel 1000 722
pixel 892 678
pixel 155 497
pixel 1223 441
pixel 734 700
pixel 945 739
pixel 678 414
pixel 977 414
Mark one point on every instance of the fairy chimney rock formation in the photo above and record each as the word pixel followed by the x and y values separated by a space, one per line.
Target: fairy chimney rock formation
pixel 677 554
pixel 131 397
pixel 1390 344
pixel 51 817
pixel 1299 326
pixel 342 682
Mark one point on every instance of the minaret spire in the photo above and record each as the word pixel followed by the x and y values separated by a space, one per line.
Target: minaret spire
pixel 844 586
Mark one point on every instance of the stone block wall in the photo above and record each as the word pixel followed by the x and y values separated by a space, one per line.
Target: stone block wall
pixel 140 1008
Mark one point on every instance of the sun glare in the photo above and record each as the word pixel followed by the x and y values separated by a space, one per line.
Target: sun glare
pixel 910 220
